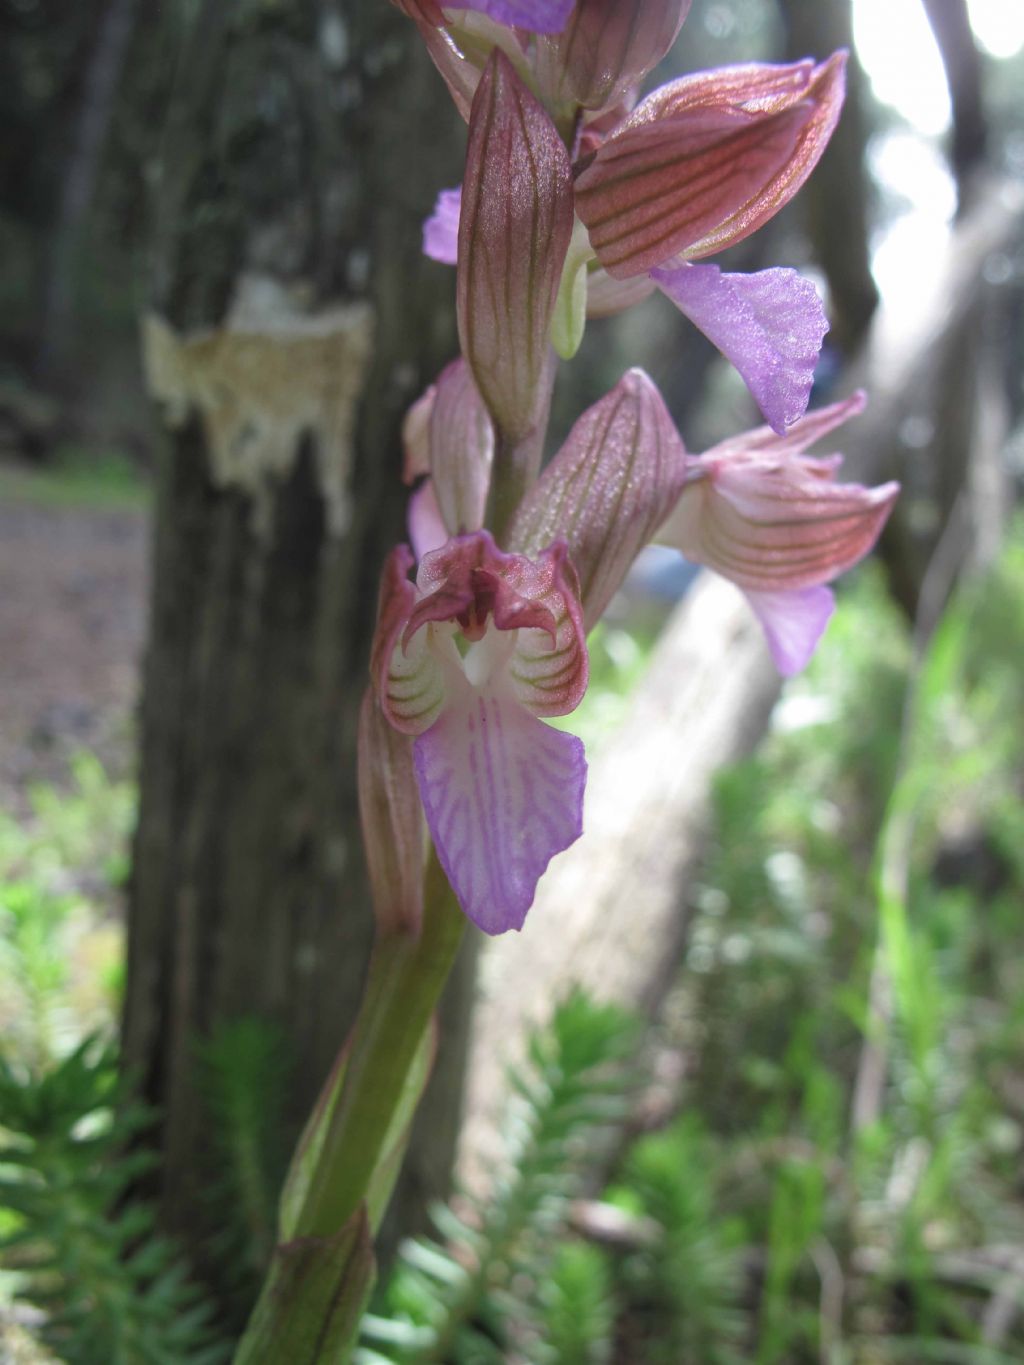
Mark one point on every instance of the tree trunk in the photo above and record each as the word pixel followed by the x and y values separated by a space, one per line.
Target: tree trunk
pixel 293 320
pixel 835 198
pixel 961 60
pixel 79 181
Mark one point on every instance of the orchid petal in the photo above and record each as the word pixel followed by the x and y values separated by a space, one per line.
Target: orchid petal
pixel 537 16
pixel 608 488
pixel 607 47
pixel 606 296
pixel 798 437
pixel 416 436
pixel 549 668
pixel 770 325
pixel 423 11
pixel 427 531
pixel 515 226
pixel 461 441
pixel 441 229
pixel 392 823
pixel 409 677
pixel 503 793
pixel 775 524
pixel 793 623
pixel 705 161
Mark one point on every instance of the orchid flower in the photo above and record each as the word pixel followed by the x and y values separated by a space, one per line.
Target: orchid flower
pixel 698 166
pixel 590 55
pixel 762 513
pixel 469 657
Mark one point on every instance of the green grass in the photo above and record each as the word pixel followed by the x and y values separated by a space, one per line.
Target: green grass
pixel 77 476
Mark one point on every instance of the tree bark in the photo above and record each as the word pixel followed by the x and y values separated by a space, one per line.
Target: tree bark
pixel 79 181
pixel 961 59
pixel 292 321
pixel 836 197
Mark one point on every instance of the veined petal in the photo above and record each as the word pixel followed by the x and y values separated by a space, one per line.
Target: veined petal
pixel 798 438
pixel 793 623
pixel 549 673
pixel 470 581
pixel 607 490
pixel 503 793
pixel 515 226
pixel 537 16
pixel 775 524
pixel 606 48
pixel 461 440
pixel 703 162
pixel 409 678
pixel 392 824
pixel 441 229
pixel 769 324
pixel 459 43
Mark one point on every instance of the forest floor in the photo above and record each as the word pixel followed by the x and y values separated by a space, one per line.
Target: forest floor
pixel 73 592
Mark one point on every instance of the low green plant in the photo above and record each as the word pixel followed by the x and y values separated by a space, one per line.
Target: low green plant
pixel 684 1286
pixel 502 1279
pixel 245 1069
pixel 83 1250
pixel 62 866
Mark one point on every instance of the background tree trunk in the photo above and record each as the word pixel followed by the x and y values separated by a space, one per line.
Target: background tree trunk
pixel 79 181
pixel 293 320
pixel 836 197
pixel 961 59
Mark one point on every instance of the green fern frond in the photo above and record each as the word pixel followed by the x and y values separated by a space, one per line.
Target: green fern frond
pixel 244 1075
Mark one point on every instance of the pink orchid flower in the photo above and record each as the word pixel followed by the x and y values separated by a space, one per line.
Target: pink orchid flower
pixel 472 655
pixel 467 659
pixel 762 513
pixel 698 166
pixel 486 643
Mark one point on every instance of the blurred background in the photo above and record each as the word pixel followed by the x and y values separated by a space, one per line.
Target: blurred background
pixel 769 1044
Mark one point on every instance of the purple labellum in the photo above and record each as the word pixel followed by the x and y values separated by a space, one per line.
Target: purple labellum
pixel 441 229
pixel 503 793
pixel 538 16
pixel 793 623
pixel 770 325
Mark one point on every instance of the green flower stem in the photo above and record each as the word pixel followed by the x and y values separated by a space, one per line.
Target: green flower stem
pixel 407 976
pixel 517 458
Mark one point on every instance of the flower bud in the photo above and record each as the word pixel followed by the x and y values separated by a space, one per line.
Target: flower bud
pixel 514 232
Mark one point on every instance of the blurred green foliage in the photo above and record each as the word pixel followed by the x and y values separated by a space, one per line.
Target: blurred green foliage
pixel 844 1183
pixel 78 475
pixel 61 937
pixel 506 1283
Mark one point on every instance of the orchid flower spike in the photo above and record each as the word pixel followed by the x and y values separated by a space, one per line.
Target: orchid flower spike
pixel 762 513
pixel 698 166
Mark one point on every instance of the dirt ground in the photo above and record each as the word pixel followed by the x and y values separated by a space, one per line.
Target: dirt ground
pixel 73 595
